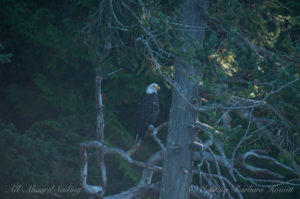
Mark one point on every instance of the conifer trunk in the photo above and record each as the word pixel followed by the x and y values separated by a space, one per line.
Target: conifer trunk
pixel 178 159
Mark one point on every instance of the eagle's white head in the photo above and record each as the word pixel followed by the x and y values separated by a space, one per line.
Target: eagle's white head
pixel 152 88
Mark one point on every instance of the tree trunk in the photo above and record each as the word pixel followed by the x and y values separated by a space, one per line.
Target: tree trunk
pixel 178 160
pixel 100 133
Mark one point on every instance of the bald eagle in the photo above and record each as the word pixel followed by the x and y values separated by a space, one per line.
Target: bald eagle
pixel 147 112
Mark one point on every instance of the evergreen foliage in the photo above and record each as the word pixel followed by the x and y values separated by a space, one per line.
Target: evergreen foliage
pixel 47 103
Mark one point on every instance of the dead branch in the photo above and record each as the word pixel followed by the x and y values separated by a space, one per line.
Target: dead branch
pixel 201 193
pixel 143 189
pixel 211 151
pixel 147 173
pixel 204 127
pixel 154 135
pixel 91 189
pixel 138 192
pixel 100 132
pixel 235 165
pixel 116 151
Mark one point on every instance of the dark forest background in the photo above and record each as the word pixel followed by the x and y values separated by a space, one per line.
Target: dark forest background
pixel 47 87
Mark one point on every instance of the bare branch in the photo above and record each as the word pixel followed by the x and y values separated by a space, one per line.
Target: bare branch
pixel 201 193
pixel 212 151
pixel 284 86
pixel 205 127
pixel 268 183
pixel 138 192
pixel 100 132
pixel 116 151
pixel 111 74
pixel 243 138
pixel 142 190
pixel 91 189
pixel 154 133
pixel 147 173
pixel 276 162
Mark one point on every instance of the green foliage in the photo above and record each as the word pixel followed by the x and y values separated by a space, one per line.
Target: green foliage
pixel 47 92
pixel 47 80
pixel 24 160
pixel 5 58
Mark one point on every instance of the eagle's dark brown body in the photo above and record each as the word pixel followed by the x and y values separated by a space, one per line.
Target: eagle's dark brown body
pixel 146 115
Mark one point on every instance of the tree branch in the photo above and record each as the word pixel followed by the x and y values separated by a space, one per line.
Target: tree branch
pixel 144 188
pixel 138 192
pixel 154 133
pixel 147 173
pixel 116 151
pixel 91 189
pixel 100 132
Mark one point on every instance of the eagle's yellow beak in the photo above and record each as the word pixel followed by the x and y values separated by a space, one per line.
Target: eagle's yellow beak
pixel 157 87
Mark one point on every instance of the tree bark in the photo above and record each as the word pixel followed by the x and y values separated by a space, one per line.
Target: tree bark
pixel 100 132
pixel 178 162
